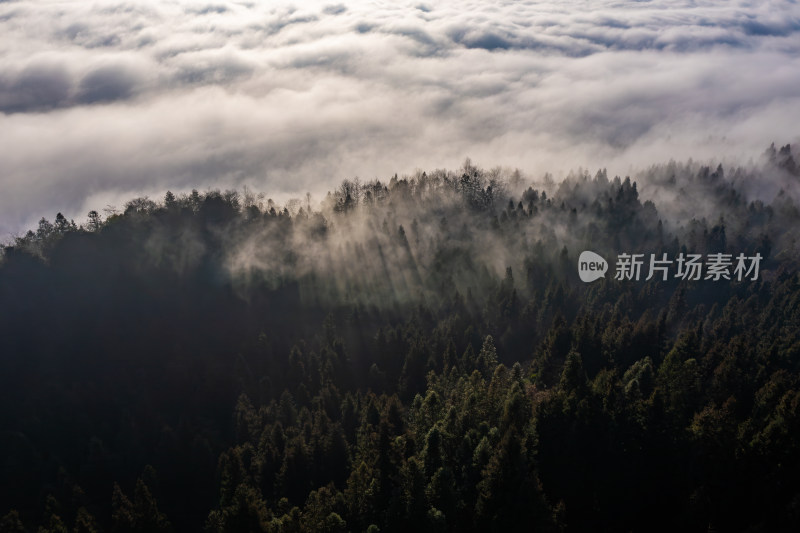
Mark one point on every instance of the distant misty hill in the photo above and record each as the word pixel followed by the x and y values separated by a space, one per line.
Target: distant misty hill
pixel 406 236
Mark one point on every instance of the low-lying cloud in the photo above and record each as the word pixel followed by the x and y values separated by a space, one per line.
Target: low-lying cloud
pixel 100 102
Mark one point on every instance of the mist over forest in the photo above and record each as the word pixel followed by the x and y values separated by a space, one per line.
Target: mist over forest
pixel 249 282
pixel 412 353
pixel 104 102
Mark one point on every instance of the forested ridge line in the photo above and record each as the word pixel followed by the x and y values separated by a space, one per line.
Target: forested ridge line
pixel 415 354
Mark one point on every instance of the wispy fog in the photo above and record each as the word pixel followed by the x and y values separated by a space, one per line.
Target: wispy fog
pixel 103 101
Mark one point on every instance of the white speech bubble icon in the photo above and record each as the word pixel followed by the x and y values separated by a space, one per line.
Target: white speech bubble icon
pixel 591 266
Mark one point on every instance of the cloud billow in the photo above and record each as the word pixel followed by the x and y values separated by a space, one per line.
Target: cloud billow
pixel 99 102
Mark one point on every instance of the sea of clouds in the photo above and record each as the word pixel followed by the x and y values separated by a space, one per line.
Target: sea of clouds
pixel 101 101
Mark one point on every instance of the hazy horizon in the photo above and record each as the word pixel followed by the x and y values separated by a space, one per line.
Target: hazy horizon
pixel 103 102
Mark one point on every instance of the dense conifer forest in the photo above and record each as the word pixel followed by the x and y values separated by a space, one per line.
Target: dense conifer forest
pixel 416 354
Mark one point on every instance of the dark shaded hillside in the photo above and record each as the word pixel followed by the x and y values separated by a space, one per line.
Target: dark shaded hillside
pixel 419 354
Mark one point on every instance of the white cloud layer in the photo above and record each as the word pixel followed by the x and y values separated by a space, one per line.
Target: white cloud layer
pixel 100 101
